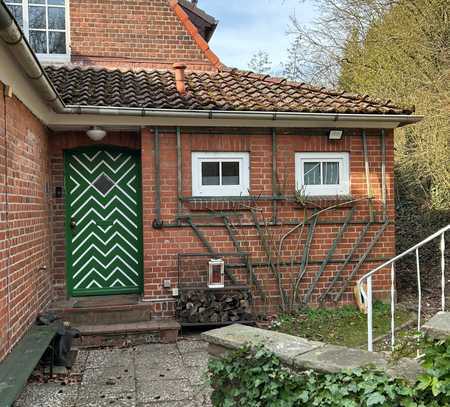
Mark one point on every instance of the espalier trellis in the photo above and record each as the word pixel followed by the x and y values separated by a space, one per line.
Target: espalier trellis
pixel 250 207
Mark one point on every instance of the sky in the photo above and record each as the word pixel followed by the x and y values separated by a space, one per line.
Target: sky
pixel 247 26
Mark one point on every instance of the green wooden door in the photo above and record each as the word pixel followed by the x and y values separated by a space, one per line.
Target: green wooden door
pixel 103 221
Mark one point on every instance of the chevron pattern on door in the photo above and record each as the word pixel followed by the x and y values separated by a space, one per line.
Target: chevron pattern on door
pixel 103 218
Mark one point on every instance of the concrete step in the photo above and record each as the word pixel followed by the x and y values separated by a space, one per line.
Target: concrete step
pixel 105 314
pixel 438 327
pixel 131 333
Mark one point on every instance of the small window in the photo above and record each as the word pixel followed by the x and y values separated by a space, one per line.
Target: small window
pixel 322 173
pixel 45 24
pixel 220 174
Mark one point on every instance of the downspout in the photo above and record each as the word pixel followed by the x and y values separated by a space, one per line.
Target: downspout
pixel 157 222
pixel 274 176
pixel 383 174
pixel 179 173
pixel 7 232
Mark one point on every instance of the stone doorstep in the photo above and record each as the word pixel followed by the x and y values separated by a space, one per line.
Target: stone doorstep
pixel 131 327
pixel 438 327
pixel 135 332
pixel 103 315
pixel 302 354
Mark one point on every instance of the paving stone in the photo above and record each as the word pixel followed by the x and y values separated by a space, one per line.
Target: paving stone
pixel 438 327
pixel 156 347
pixel 196 359
pixel 106 400
pixel 145 376
pixel 163 390
pixel 203 395
pixel 119 376
pixel 48 395
pixel 80 361
pixel 104 391
pixel 162 372
pixel 183 403
pixel 192 345
pixel 198 376
pixel 109 358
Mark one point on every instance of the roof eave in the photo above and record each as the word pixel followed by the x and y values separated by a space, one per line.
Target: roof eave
pixel 334 119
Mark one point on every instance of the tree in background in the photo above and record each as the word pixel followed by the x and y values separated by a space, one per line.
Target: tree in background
pixel 393 49
pixel 260 62
pixel 399 50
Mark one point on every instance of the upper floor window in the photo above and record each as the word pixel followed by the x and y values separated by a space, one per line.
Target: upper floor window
pixel 322 173
pixel 220 174
pixel 45 24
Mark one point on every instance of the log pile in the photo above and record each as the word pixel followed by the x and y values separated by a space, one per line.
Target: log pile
pixel 213 306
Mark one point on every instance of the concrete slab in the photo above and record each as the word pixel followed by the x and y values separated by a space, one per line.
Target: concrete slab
pixel 189 346
pixel 107 400
pixel 166 372
pixel 286 347
pixel 406 368
pixel 109 358
pixel 438 327
pixel 149 390
pixel 332 359
pixel 48 394
pixel 142 376
pixel 110 376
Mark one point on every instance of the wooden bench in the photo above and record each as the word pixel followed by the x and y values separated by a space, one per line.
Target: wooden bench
pixel 20 363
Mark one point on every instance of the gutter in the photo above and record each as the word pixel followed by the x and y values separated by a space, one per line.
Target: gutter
pixel 402 119
pixel 13 36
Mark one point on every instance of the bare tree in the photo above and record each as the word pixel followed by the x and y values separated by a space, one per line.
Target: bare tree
pixel 260 62
pixel 317 49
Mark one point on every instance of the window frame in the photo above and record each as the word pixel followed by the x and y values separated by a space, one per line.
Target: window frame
pixel 199 190
pixel 47 57
pixel 341 189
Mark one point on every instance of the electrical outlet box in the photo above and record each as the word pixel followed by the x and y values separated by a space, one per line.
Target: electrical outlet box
pixel 175 292
pixel 167 283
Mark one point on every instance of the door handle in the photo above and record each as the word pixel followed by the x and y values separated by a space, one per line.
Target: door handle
pixel 73 223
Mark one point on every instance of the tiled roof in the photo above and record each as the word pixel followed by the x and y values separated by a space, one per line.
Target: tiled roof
pixel 231 90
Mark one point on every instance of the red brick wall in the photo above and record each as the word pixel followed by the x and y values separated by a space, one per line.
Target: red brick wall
pixel 131 34
pixel 58 143
pixel 162 246
pixel 24 221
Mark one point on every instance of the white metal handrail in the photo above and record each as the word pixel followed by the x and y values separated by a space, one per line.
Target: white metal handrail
pixel 367 295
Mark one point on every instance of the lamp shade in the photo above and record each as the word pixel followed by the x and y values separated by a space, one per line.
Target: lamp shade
pixel 96 133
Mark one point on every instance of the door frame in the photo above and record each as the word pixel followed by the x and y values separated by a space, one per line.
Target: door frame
pixel 67 219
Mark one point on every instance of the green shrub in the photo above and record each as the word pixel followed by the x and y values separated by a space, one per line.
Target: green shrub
pixel 255 378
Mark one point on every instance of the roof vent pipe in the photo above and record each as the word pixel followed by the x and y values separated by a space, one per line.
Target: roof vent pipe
pixel 180 78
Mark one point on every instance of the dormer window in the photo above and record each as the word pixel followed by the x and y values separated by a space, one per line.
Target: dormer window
pixel 45 24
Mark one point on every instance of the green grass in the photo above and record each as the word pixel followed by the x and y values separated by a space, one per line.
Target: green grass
pixel 345 326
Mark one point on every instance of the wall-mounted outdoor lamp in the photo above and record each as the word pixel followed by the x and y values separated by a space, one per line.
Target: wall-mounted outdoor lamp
pixel 216 273
pixel 96 133
pixel 335 134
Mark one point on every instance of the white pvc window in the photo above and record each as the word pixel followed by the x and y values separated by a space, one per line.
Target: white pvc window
pixel 45 23
pixel 220 174
pixel 322 173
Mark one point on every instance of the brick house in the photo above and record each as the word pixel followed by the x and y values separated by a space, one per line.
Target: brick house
pixel 289 186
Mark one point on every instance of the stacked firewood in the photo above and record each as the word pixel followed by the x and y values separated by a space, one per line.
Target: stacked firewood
pixel 211 306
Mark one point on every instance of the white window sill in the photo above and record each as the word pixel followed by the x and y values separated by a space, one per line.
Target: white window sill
pixel 49 59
